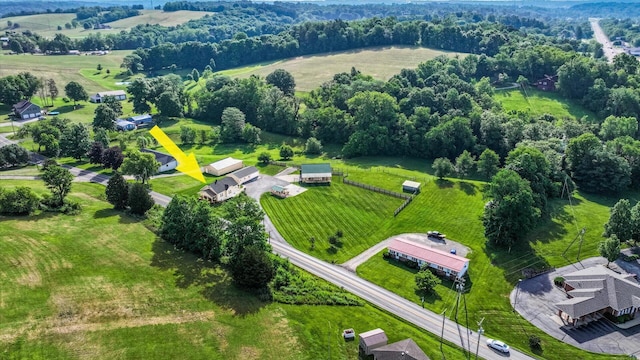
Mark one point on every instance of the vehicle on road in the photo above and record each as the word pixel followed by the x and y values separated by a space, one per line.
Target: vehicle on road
pixel 436 234
pixel 498 345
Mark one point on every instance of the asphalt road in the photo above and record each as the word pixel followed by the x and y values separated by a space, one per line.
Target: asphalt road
pixel 347 280
pixel 609 50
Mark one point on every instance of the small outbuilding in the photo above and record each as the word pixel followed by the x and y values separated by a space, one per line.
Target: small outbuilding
pixel 371 340
pixel 124 125
pixel 315 174
pixel 279 191
pixel 167 162
pixel 411 186
pixel 223 166
pixel 245 174
pixel 25 109
pixel 141 120
pixel 220 190
pixel 99 97
pixel 406 349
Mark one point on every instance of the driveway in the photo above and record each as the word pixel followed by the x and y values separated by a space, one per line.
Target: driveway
pixel 535 300
pixel 444 245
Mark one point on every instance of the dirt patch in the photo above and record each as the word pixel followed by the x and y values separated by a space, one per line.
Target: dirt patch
pixel 31 275
pixel 249 353
pixel 280 335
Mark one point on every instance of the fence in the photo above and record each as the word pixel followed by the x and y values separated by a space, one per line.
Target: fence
pixel 404 205
pixel 284 164
pixel 376 189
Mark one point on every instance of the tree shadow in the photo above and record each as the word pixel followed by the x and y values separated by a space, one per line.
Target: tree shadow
pixel 467 187
pixel 444 183
pixel 124 218
pixel 214 282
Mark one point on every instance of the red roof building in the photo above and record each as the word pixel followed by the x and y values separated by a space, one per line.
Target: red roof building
pixel 449 264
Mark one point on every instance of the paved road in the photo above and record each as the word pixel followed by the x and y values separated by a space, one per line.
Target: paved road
pixel 347 280
pixel 609 50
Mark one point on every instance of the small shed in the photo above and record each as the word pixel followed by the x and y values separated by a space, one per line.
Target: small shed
pixel 372 339
pixel 315 173
pixel 245 174
pixel 279 191
pixel 223 166
pixel 124 125
pixel 411 186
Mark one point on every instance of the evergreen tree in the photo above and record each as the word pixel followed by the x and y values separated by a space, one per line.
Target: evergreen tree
pixel 117 191
pixel 139 199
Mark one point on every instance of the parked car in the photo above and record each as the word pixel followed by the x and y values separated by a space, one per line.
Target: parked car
pixel 498 345
pixel 436 234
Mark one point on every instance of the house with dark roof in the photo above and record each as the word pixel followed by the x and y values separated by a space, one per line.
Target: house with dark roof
pixel 141 120
pixel 221 190
pixel 444 263
pixel 371 340
pixel 25 109
pixel 596 291
pixel 315 174
pixel 548 83
pixel 245 175
pixel 406 349
pixel 167 162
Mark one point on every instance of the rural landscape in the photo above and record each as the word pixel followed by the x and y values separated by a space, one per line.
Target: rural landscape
pixel 344 180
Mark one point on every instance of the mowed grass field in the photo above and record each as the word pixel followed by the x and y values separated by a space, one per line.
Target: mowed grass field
pixel 65 68
pixel 311 71
pixel 537 103
pixel 47 24
pixel 321 211
pixel 100 285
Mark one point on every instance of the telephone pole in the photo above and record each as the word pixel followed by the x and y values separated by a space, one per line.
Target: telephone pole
pixel 480 331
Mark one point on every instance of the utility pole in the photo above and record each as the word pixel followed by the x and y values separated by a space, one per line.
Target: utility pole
pixel 442 334
pixel 480 331
pixel 515 301
pixel 329 339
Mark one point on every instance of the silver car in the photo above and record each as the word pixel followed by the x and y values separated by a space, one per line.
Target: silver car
pixel 498 345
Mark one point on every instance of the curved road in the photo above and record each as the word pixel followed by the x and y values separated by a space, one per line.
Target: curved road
pixel 376 295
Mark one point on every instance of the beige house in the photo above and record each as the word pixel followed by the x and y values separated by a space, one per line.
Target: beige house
pixel 220 190
pixel 315 174
pixel 596 291
pixel 371 340
pixel 223 166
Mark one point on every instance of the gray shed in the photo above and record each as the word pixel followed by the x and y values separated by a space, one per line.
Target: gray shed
pixel 372 339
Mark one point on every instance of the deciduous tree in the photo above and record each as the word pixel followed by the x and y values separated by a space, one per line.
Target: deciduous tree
pixel 426 281
pixel 141 165
pixel 95 153
pixel 117 191
pixel 233 121
pixel 620 223
pixel 264 157
pixel 286 152
pixel 13 155
pixel 105 118
pixel 112 158
pixel 609 248
pixel 75 92
pixel 465 164
pixel 253 268
pixel 313 146
pixel 19 201
pixel 442 167
pixel 488 163
pixel 283 80
pixel 75 142
pixel 58 180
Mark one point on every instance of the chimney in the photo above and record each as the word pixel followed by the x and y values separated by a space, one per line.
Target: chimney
pixel 216 181
pixel 226 187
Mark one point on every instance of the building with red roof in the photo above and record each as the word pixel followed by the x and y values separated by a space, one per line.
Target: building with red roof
pixel 445 263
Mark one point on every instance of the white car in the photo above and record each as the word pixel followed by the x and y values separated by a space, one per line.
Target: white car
pixel 498 345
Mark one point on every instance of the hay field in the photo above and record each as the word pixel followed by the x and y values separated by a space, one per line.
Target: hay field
pixel 47 24
pixel 311 71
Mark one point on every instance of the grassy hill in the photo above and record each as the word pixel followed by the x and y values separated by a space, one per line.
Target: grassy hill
pixel 536 103
pixel 47 24
pixel 311 71
pixel 100 285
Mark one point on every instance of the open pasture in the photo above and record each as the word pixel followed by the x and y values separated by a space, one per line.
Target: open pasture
pixel 311 71
pixel 537 103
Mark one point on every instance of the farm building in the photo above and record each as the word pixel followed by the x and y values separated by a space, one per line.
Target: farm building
pixel 141 120
pixel 372 339
pixel 406 349
pixel 315 174
pixel 279 191
pixel 548 83
pixel 223 166
pixel 99 97
pixel 596 291
pixel 443 262
pixel 220 190
pixel 245 174
pixel 124 125
pixel 25 109
pixel 411 186
pixel 167 162
pixel 633 51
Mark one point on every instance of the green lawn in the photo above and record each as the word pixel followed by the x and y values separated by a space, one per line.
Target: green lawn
pixel 65 68
pixel 100 285
pixel 22 170
pixel 538 103
pixel 322 210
